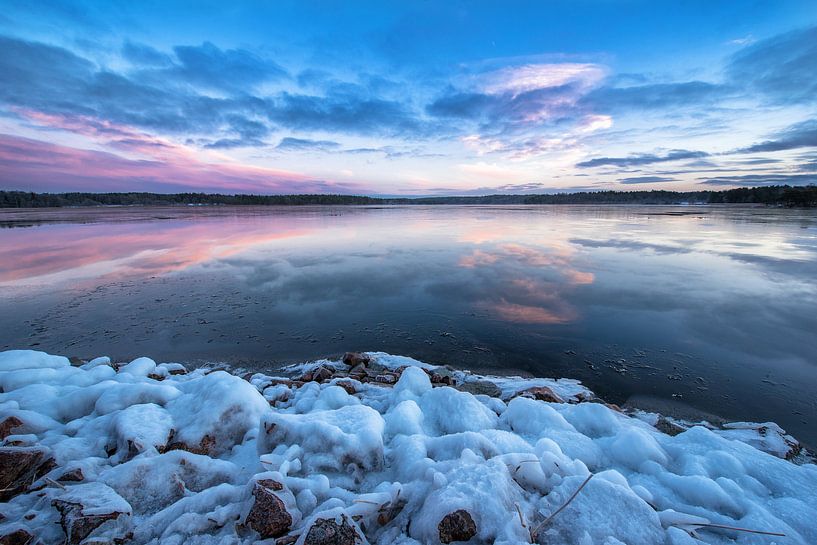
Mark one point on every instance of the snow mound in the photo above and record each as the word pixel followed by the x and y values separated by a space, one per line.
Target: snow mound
pixel 382 449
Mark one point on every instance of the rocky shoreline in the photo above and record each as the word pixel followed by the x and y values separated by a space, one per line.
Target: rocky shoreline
pixel 370 449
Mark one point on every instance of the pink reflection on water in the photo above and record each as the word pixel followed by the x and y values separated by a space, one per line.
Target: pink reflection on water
pixel 69 251
pixel 536 293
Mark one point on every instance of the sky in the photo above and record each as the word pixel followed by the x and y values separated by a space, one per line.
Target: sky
pixel 407 98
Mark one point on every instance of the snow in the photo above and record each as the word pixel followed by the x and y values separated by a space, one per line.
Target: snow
pixel 179 454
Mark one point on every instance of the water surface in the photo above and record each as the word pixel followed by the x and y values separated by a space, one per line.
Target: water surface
pixel 687 308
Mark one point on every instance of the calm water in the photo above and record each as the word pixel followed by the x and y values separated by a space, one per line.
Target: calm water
pixel 711 309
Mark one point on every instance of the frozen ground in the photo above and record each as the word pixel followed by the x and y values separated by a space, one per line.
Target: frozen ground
pixel 381 449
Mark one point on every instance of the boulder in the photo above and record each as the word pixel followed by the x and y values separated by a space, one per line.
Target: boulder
pixel 331 532
pixel 541 393
pixel 19 467
pixel 92 508
pixel 19 536
pixel 268 515
pixel 480 387
pixel 72 476
pixel 322 374
pixel 7 426
pixel 457 526
pixel 347 385
pixel 353 359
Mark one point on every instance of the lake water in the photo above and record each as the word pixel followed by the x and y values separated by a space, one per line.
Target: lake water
pixel 691 310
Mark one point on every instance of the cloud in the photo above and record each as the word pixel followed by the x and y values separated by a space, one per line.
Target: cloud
pixel 34 165
pixel 231 69
pixel 301 144
pixel 515 80
pixel 755 180
pixel 654 96
pixel 645 180
pixel 783 68
pixel 799 135
pixel 153 98
pixel 643 159
pixel 144 55
pixel 519 96
pixel 342 112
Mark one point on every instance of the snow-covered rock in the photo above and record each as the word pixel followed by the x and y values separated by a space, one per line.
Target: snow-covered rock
pixel 150 454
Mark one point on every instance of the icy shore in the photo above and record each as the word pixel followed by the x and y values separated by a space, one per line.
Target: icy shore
pixel 376 449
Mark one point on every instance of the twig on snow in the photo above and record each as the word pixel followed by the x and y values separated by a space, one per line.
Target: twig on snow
pixel 535 531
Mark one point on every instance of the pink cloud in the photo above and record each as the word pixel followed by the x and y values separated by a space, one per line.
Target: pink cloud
pixel 36 165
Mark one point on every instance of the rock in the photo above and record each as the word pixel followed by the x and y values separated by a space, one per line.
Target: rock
pixel 457 526
pixel 348 386
pixel 541 393
pixel 286 540
pixel 389 511
pixel 353 359
pixel 268 515
pixel 667 426
pixel 85 508
pixel 7 426
pixel 438 378
pixel 19 467
pixel 386 379
pixel 19 536
pixel 330 532
pixel 72 476
pixel 480 387
pixel 322 374
pixel 205 447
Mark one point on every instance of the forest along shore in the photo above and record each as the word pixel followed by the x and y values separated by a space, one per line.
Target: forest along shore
pixel 775 195
pixel 372 449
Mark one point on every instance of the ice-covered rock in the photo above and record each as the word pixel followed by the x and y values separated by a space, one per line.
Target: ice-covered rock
pixel 268 515
pixel 338 530
pixel 214 413
pixel 457 526
pixel 20 467
pixel 208 458
pixel 92 509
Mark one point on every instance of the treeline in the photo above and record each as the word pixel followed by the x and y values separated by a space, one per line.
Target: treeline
pixel 781 195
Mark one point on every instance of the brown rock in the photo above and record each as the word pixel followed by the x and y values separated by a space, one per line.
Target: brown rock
pixel 322 374
pixel 348 386
pixel 17 537
pixel 268 515
pixel 389 511
pixel 667 426
pixel 72 476
pixel 353 359
pixel 205 447
pixel 7 426
pixel 386 379
pixel 19 467
pixel 77 525
pixel 457 526
pixel 330 532
pixel 541 393
pixel 437 378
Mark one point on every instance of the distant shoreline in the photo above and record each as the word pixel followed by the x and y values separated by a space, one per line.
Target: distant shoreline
pixel 779 195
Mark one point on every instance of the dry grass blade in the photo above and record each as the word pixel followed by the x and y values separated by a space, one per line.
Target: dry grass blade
pixel 521 519
pixel 535 531
pixel 738 529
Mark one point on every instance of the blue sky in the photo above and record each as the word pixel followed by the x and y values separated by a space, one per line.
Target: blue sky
pixel 411 98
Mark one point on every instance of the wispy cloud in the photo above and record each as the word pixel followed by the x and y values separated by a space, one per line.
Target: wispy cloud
pixel 643 159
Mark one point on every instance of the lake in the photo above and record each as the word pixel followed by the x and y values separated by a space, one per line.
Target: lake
pixel 696 311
